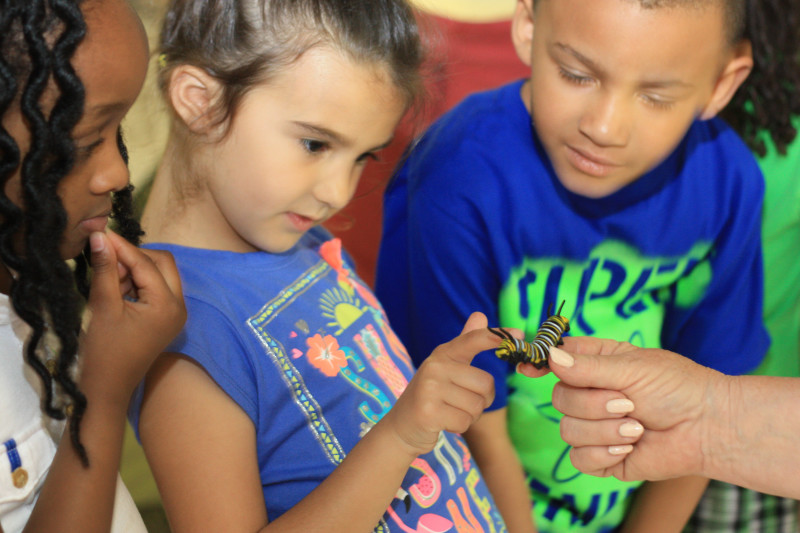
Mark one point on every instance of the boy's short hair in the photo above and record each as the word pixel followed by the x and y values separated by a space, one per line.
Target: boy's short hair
pixel 734 10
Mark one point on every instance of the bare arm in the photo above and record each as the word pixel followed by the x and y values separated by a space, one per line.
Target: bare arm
pixel 202 449
pixel 122 339
pixel 741 429
pixel 664 506
pixel 187 419
pixel 502 471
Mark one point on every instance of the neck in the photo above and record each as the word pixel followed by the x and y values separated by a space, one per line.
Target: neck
pixel 181 210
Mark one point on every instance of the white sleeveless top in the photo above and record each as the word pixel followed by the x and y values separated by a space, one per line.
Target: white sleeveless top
pixel 28 438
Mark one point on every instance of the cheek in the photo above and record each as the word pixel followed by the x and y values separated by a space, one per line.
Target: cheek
pixel 656 138
pixel 554 106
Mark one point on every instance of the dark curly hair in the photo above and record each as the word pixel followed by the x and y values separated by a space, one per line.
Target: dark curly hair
pixel 37 41
pixel 770 97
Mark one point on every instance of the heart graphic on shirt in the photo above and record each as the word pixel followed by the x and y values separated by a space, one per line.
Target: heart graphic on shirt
pixel 296 353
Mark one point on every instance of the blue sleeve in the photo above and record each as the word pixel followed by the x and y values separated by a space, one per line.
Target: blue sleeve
pixel 210 340
pixel 435 265
pixel 725 331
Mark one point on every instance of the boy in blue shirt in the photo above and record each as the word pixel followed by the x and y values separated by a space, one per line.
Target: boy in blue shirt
pixel 604 181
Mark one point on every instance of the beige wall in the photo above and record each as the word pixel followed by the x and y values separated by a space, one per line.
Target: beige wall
pixel 469 10
pixel 145 127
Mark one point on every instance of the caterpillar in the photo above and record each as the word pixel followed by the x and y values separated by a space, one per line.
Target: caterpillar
pixel 536 352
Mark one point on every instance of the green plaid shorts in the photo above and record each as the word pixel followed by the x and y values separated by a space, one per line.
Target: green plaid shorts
pixel 731 509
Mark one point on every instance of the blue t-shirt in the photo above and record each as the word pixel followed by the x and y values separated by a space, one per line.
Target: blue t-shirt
pixel 300 343
pixel 476 220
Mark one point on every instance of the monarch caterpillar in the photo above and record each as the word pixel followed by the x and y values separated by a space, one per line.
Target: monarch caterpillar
pixel 536 352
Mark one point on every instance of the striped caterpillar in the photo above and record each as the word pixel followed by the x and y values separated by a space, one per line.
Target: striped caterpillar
pixel 537 351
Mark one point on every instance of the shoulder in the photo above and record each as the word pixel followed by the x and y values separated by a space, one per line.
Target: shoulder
pixel 718 145
pixel 725 166
pixel 488 134
pixel 482 116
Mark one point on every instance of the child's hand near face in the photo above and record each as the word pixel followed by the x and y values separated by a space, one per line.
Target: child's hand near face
pixel 446 393
pixel 125 335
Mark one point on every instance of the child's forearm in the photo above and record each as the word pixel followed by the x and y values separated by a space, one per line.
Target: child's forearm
pixel 497 460
pixel 76 498
pixel 664 506
pixel 363 486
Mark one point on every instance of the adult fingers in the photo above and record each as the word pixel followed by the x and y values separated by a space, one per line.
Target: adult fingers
pixel 590 404
pixel 600 461
pixel 594 346
pixel 527 369
pixel 578 432
pixel 606 371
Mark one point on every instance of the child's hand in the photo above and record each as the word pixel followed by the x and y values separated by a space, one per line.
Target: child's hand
pixel 446 393
pixel 124 335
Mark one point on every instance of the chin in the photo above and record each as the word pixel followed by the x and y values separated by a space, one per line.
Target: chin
pixel 590 190
pixel 71 250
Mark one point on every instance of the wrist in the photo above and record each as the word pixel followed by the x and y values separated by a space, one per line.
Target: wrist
pixel 722 409
pixel 104 397
pixel 393 438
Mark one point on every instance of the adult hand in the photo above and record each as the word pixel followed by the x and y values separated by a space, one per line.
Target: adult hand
pixel 607 388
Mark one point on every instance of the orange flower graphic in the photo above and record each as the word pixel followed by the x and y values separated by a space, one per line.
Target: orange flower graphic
pixel 325 354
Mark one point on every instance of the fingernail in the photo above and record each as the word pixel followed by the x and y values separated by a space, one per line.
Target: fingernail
pixel 631 429
pixel 619 406
pixel 97 241
pixel 560 357
pixel 516 368
pixel 620 450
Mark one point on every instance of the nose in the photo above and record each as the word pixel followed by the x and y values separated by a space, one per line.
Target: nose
pixel 606 121
pixel 111 172
pixel 336 188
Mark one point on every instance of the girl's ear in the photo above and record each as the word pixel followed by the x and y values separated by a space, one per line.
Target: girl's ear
pixel 522 30
pixel 192 93
pixel 730 79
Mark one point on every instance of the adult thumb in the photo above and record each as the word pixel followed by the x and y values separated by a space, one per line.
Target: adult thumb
pixel 592 370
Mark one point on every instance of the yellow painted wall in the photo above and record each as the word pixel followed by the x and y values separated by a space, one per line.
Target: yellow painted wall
pixel 469 10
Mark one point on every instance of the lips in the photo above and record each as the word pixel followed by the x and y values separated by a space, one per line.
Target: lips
pixel 589 163
pixel 300 222
pixel 95 223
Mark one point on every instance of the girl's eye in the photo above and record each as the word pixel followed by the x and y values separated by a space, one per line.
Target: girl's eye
pixel 369 155
pixel 313 146
pixel 82 153
pixel 574 78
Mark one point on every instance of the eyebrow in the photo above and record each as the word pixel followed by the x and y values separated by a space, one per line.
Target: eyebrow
pixel 335 137
pixel 580 57
pixel 655 84
pixel 102 110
